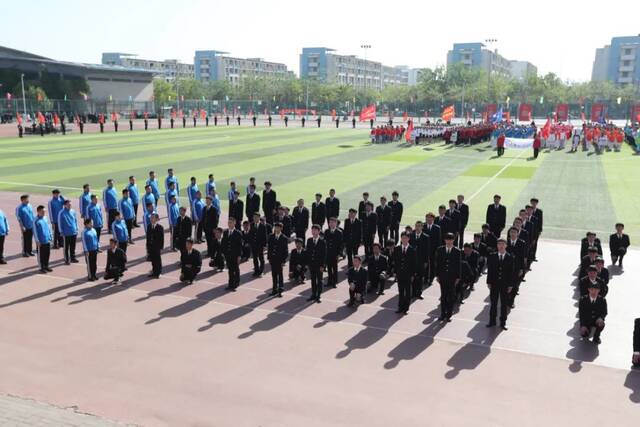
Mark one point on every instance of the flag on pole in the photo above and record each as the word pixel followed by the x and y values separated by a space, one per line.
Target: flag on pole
pixel 546 130
pixel 407 135
pixel 497 117
pixel 368 113
pixel 448 113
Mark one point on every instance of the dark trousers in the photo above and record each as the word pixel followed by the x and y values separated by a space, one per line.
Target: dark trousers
pixel 297 273
pixel 496 230
pixel 404 293
pixel 500 151
pixel 432 270
pixel 135 215
pixel 495 293
pixel 129 223
pixel 44 251
pixel 58 240
pixel 352 250
pixel 618 255
pixel 234 273
pixel 535 153
pixel 447 297
pixel 316 282
pixel 98 231
pixel 199 230
pixel 277 277
pixel 69 248
pixel 394 232
pixel 1 247
pixel 258 260
pixel 383 235
pixel 209 238
pixel 300 234
pixel 460 238
pixel 418 280
pixel 114 273
pixel 598 330
pixel 111 216
pixel 377 283
pixel 332 270
pixel 188 274
pixel 368 245
pixel 156 262
pixel 91 258
pixel 123 246
pixel 27 241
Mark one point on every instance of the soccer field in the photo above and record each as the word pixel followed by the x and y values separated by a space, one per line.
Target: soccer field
pixel 577 191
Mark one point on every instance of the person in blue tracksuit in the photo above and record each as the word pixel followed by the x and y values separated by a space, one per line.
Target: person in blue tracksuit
pixel 55 206
pixel 173 215
pixel 197 208
pixel 4 231
pixel 125 207
pixel 192 189
pixel 153 183
pixel 171 178
pixel 94 213
pixel 110 200
pixel 134 195
pixel 119 231
pixel 68 223
pixel 148 196
pixel 209 186
pixel 91 245
pixel 171 192
pixel 85 199
pixel 42 235
pixel 26 217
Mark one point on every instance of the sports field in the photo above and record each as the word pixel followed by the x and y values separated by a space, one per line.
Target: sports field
pixel 577 191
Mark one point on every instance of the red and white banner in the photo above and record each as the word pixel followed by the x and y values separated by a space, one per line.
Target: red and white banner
pixel 598 112
pixel 635 112
pixel 448 113
pixel 368 113
pixel 490 110
pixel 525 112
pixel 562 112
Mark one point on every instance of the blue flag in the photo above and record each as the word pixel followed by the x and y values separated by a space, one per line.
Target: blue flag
pixel 497 117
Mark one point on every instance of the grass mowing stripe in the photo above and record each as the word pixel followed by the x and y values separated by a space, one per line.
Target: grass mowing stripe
pixel 102 154
pixel 152 161
pixel 622 178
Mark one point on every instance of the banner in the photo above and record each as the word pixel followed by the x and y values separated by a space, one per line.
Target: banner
pixel 525 112
pixel 490 110
pixel 562 112
pixel 368 113
pixel 448 113
pixel 635 113
pixel 598 112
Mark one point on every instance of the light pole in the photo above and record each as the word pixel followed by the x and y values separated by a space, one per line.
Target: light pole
pixel 365 47
pixel 24 101
pixel 489 42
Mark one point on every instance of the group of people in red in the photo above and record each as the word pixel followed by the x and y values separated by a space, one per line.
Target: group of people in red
pixel 387 133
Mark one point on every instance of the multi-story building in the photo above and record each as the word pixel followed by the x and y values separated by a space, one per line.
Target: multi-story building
pixel 413 74
pixel 476 55
pixel 618 62
pixel 169 69
pixel 322 64
pixel 214 65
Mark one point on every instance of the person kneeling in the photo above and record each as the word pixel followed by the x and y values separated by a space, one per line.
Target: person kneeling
pixel 357 278
pixel 592 311
pixel 190 262
pixel 298 263
pixel 116 262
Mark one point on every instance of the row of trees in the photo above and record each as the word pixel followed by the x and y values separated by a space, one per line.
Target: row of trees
pixel 436 86
pixel 42 85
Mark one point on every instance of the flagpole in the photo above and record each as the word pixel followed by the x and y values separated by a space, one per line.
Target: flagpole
pixel 24 101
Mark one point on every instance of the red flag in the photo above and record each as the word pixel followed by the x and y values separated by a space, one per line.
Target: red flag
pixel 448 113
pixel 407 135
pixel 638 118
pixel 562 112
pixel 524 112
pixel 56 119
pixel 547 128
pixel 203 114
pixel 368 113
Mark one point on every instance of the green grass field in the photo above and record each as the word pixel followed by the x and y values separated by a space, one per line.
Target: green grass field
pixel 576 191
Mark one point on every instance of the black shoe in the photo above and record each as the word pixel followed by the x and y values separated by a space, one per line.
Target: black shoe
pixel 3 262
pixel 43 271
pixel 420 297
pixel 596 340
pixel 49 269
pixel 318 301
pixel 461 302
pixel 279 295
pixel 448 319
pixel 75 260
pixel 67 263
pixel 33 254
pixel 398 311
pixel 490 324
pixel 95 278
pixel 441 318
pixel 273 293
pixel 25 255
pixel 91 279
pixel 503 326
pixel 351 304
pixel 380 293
pixel 310 299
pixel 56 247
pixel 151 275
pixel 512 306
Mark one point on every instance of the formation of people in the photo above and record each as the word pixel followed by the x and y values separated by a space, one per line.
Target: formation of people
pixel 260 227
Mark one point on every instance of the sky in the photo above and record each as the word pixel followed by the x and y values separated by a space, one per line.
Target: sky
pixel 556 36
